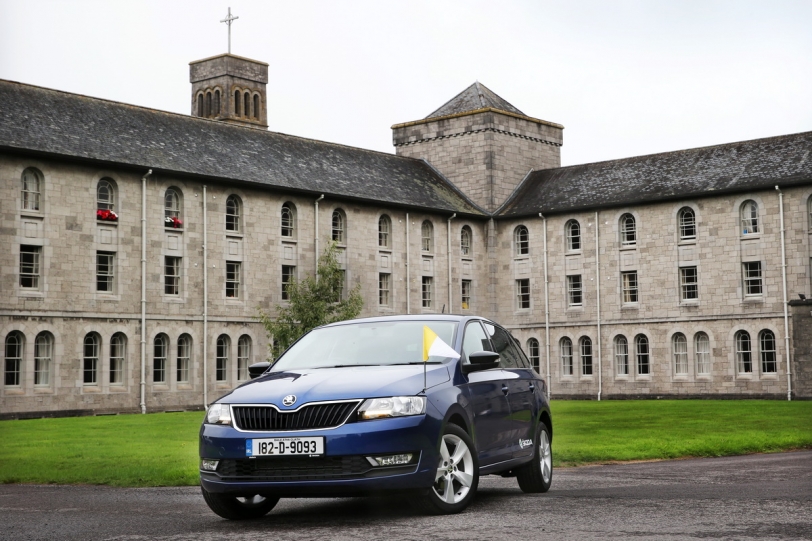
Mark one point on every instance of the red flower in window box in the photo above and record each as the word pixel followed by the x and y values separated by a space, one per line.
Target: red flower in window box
pixel 173 222
pixel 106 215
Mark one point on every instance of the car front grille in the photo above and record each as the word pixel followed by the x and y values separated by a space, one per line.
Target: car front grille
pixel 294 468
pixel 310 417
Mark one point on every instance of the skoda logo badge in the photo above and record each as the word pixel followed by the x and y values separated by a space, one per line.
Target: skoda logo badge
pixel 289 400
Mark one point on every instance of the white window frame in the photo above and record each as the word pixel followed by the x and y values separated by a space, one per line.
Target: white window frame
pixel 106 272
pixel 427 292
pixel 628 230
pixel 679 346
pixel 384 232
pixel 533 353
pixel 621 355
pixel 288 276
pixel 108 202
pixel 575 291
pixel 689 284
pixel 687 224
pixel 768 352
pixel 233 214
pixel 642 355
pixel 243 357
pixel 13 354
pixel 30 267
pixel 173 266
pixel 233 279
pixel 118 356
pixel 521 241
pixel 160 359
pixel 222 353
pixel 338 231
pixel 427 236
pixel 567 367
pixel 288 221
pixel 465 293
pixel 384 288
pixel 43 359
pixel 743 346
pixel 90 360
pixel 573 233
pixel 31 190
pixel 630 288
pixel 587 366
pixel 750 218
pixel 752 279
pixel 465 242
pixel 523 294
pixel 184 358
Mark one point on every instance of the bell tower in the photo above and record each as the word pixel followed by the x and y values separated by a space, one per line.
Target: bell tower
pixel 230 88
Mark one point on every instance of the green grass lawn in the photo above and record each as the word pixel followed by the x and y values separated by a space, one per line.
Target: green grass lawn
pixel 161 449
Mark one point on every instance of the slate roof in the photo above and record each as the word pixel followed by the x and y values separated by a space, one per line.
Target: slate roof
pixel 69 125
pixel 477 96
pixel 734 167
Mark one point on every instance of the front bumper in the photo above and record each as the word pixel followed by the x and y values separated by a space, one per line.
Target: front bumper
pixel 343 470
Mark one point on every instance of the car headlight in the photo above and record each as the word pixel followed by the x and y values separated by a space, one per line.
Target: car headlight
pixel 219 414
pixel 396 406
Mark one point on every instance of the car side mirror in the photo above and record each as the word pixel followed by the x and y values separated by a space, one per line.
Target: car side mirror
pixel 481 360
pixel 257 369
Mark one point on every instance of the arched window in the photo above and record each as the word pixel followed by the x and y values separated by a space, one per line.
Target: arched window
pixel 105 195
pixel 243 356
pixel 200 110
pixel 184 358
pixel 216 110
pixel 573 232
pixel 586 356
pixel 621 355
pixel 642 353
pixel 687 224
pixel 427 236
pixel 31 189
pixel 208 103
pixel 680 352
pixel 160 351
pixel 233 214
pixel 769 365
pixel 466 245
pixel 223 347
pixel 338 228
pixel 521 241
pixel 256 106
pixel 118 355
pixel 43 355
pixel 14 359
pixel 90 359
pixel 172 215
pixel 702 348
pixel 566 356
pixel 533 353
pixel 749 212
pixel 247 104
pixel 384 231
pixel 628 230
pixel 237 99
pixel 744 353
pixel 809 211
pixel 289 220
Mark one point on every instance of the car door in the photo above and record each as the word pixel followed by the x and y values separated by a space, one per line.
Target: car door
pixel 486 390
pixel 521 385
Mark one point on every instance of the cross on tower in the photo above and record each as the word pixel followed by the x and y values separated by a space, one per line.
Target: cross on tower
pixel 228 20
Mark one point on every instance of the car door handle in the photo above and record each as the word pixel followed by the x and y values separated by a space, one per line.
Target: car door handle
pixel 505 389
pixel 532 387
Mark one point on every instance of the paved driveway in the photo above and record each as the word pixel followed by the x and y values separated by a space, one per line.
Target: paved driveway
pixel 753 497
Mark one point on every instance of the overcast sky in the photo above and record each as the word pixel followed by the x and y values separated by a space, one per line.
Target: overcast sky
pixel 625 78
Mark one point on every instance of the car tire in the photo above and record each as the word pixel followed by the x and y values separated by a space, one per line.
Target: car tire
pixel 242 508
pixel 537 475
pixel 457 476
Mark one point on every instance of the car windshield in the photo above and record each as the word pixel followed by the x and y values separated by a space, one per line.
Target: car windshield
pixel 366 344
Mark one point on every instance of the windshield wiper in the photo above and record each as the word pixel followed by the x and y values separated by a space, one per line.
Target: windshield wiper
pixel 415 362
pixel 346 365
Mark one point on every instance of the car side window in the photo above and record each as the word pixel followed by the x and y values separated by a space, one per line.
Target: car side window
pixel 474 340
pixel 524 362
pixel 503 345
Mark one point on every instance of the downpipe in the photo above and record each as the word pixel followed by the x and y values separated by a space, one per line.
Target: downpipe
pixel 784 277
pixel 143 384
pixel 546 306
pixel 205 301
pixel 448 229
pixel 316 235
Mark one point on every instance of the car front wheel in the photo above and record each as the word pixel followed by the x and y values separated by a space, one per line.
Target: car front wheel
pixel 457 476
pixel 243 508
pixel 537 476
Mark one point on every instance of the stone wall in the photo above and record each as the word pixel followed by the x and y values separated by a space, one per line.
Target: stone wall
pixel 802 348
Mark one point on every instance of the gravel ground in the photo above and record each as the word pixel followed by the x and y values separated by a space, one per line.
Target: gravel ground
pixel 752 497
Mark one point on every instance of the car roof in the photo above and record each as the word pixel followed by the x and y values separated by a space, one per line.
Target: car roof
pixel 405 317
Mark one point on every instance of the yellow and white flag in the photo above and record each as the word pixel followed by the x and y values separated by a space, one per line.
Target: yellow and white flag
pixel 433 346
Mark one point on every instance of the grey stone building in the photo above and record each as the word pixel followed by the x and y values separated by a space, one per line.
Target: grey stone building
pixel 139 244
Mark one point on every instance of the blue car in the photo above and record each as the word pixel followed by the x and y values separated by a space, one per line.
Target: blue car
pixel 418 404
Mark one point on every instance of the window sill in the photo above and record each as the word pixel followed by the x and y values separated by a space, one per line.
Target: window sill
pixel 13 391
pixel 522 257
pixel 118 388
pixel 291 240
pixel 43 389
pixel 753 300
pixel 174 229
pixel 160 387
pixel 32 214
pixel 185 386
pixel 575 308
pixel 746 236
pixel 31 293
pixel 748 376
pixel 630 306
pixel 174 300
pixel 235 234
pixel 107 222
pixel 681 377
pixel 587 378
pixel 628 247
pixel 91 388
pixel 385 249
pixel 772 376
pixel 622 377
pixel 686 242
pixel 574 252
pixel 703 377
pixel 107 296
pixel 222 385
pixel 689 304
pixel 234 301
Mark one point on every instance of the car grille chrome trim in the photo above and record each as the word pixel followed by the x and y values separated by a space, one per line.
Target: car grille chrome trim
pixel 312 416
pixel 301 468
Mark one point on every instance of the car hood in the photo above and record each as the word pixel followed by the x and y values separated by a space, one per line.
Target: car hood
pixel 314 385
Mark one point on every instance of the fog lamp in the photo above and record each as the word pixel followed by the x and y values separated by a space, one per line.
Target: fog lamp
pixel 209 465
pixel 390 460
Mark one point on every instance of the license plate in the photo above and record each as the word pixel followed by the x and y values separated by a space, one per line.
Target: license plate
pixel 285 446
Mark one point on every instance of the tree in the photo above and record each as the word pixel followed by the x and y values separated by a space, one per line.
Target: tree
pixel 313 301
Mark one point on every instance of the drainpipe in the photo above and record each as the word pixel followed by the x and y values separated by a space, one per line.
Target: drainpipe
pixel 546 306
pixel 408 270
pixel 598 279
pixel 143 384
pixel 316 236
pixel 205 301
pixel 784 276
pixel 450 304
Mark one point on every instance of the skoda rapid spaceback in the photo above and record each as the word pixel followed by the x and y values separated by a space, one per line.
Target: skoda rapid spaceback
pixel 420 405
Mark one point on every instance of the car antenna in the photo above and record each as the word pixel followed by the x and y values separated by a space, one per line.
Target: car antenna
pixel 443 310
